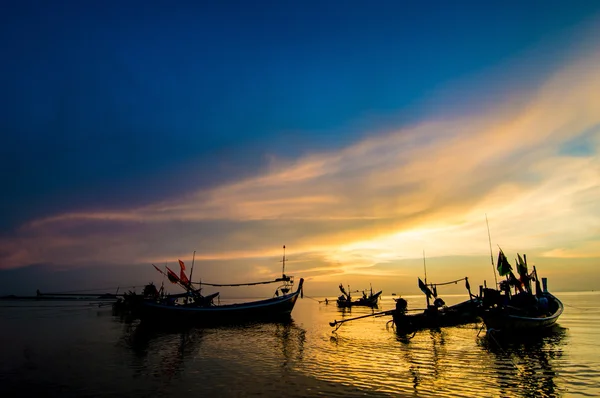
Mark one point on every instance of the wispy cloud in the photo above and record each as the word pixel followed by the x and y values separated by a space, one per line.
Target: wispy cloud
pixel 386 197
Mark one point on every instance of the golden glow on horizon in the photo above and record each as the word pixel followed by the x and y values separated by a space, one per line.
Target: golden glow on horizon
pixel 423 187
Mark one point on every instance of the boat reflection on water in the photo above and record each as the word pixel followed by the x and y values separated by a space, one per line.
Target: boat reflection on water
pixel 354 310
pixel 431 350
pixel 141 337
pixel 291 341
pixel 524 364
pixel 217 354
pixel 161 351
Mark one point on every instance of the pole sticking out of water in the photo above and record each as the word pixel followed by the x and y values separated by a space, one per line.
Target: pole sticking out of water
pixel 491 253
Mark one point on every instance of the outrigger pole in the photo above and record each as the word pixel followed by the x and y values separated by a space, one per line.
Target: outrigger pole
pixel 334 323
pixel 388 312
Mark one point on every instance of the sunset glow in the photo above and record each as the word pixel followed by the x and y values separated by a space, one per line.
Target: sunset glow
pixel 366 210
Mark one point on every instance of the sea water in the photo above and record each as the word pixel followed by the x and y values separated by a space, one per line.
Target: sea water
pixel 78 349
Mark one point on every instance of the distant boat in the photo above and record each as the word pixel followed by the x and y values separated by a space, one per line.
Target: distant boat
pixel 393 294
pixel 367 300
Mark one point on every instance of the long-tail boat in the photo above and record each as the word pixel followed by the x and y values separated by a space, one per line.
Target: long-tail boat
pixel 192 306
pixel 278 307
pixel 368 300
pixel 434 316
pixel 524 310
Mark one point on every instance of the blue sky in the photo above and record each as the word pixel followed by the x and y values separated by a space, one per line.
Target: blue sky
pixel 109 107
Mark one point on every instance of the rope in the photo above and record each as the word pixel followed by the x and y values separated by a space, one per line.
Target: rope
pixel 237 284
pixel 318 301
pixel 490 333
pixel 577 308
pixel 447 283
pixel 480 329
pixel 393 327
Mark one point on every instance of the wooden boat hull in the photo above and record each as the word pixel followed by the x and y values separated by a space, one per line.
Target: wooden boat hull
pixel 458 314
pixel 264 310
pixel 503 319
pixel 368 302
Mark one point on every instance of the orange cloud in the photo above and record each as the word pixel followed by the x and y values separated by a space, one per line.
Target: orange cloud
pixel 386 197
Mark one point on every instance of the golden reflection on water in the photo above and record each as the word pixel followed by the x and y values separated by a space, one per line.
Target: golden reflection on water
pixel 444 362
pixel 81 348
pixel 526 363
pixel 362 358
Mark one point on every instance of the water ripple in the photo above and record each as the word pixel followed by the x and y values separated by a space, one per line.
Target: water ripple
pixel 80 349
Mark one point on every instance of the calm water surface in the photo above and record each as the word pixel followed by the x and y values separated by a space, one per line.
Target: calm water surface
pixel 74 349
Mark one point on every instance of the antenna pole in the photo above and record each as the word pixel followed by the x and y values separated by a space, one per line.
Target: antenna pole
pixel 283 260
pixel 424 267
pixel 192 270
pixel 491 254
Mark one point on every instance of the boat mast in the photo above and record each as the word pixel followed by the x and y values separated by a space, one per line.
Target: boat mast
pixel 192 270
pixel 162 284
pixel 283 261
pixel 491 253
pixel 425 268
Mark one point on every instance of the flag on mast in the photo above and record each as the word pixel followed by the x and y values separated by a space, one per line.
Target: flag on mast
pixel 425 289
pixel 521 265
pixel 504 267
pixel 182 265
pixel 184 279
pixel 173 278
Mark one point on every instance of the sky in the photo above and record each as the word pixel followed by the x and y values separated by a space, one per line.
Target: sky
pixel 368 138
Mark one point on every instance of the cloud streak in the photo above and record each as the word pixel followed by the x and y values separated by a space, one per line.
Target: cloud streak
pixel 386 197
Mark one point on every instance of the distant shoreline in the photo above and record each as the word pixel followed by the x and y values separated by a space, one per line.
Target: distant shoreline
pixel 54 298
